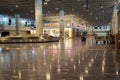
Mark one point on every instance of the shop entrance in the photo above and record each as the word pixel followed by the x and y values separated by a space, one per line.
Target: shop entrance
pixel 3 34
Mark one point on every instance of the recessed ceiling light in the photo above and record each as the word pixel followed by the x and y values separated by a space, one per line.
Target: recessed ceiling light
pixel 72 9
pixel 84 5
pixel 56 8
pixel 31 10
pixel 103 11
pixel 48 11
pixel 96 18
pixel 26 13
pixel 16 6
pixel 91 13
pixel 45 3
pixel 87 10
pixel 11 9
pixel 101 7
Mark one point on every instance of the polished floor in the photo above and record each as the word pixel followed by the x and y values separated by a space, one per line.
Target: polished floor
pixel 69 59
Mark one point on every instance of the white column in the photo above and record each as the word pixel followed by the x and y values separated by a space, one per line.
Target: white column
pixel 115 20
pixel 17 17
pixel 61 15
pixel 38 16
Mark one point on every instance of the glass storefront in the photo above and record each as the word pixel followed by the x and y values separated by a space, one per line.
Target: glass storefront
pixel 53 29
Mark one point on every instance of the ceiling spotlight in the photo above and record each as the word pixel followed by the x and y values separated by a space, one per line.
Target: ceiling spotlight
pixel 103 11
pixel 48 11
pixel 101 7
pixel 26 13
pixel 31 10
pixel 11 9
pixel 45 3
pixel 91 13
pixel 72 9
pixel 82 15
pixel 56 8
pixel 84 5
pixel 16 6
pixel 96 18
pixel 87 10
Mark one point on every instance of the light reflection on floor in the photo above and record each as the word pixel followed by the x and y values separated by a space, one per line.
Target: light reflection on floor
pixel 68 59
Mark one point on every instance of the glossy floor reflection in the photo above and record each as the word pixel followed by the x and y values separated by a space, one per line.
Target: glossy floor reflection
pixel 70 59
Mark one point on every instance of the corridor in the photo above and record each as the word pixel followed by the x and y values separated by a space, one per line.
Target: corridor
pixel 69 59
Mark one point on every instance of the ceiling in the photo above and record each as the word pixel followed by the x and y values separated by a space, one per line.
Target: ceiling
pixel 94 11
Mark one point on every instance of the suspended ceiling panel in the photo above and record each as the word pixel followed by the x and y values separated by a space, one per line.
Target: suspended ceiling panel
pixel 94 11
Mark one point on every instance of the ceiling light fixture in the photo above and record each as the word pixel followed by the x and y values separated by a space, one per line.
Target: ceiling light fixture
pixel 48 11
pixel 72 9
pixel 103 11
pixel 11 9
pixel 16 6
pixel 87 10
pixel 91 13
pixel 84 6
pixel 45 3
pixel 101 7
pixel 31 10
pixel 26 13
pixel 96 18
pixel 56 8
